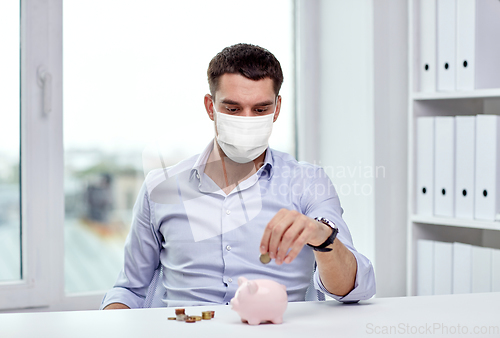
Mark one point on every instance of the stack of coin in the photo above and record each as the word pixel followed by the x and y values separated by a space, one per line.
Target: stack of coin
pixel 180 314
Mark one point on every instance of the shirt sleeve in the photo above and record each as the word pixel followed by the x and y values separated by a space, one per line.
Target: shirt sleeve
pixel 322 200
pixel 141 257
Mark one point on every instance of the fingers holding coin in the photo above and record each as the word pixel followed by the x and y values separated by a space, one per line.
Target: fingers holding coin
pixel 286 234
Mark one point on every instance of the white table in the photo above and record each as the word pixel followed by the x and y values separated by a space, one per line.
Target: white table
pixel 406 316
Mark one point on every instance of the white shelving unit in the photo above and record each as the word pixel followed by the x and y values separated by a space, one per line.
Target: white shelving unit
pixel 456 222
pixel 475 232
pixel 475 94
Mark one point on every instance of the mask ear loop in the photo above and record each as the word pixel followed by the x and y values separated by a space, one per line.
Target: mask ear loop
pixel 275 108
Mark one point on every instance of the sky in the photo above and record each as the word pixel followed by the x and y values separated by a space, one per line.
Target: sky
pixel 135 71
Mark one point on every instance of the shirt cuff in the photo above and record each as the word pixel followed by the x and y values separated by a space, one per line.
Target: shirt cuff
pixel 124 296
pixel 364 285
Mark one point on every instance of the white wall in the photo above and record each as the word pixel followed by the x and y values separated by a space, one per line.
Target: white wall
pixel 307 73
pixel 390 111
pixel 359 128
pixel 346 113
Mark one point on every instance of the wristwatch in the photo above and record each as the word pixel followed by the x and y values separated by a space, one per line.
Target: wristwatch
pixel 329 240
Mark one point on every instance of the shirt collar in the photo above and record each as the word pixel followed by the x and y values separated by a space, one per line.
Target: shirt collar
pixel 199 166
pixel 267 167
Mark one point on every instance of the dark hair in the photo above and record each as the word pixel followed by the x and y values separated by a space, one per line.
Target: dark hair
pixel 253 62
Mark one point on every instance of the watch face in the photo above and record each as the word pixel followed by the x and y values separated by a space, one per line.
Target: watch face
pixel 327 222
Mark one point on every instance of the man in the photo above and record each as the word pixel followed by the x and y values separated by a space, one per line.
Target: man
pixel 206 220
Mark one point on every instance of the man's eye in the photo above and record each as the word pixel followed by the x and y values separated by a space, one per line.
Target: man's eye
pixel 232 110
pixel 261 110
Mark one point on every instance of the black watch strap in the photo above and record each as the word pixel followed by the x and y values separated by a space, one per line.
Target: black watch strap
pixel 330 239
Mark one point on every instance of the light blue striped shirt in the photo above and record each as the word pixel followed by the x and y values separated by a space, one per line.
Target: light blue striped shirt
pixel 204 239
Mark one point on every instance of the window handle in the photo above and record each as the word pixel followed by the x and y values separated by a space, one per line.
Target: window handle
pixel 45 81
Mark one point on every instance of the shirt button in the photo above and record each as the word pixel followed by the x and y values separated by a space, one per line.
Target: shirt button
pixel 228 212
pixel 228 248
pixel 229 280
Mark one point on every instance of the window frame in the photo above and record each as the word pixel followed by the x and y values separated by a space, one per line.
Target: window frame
pixel 42 201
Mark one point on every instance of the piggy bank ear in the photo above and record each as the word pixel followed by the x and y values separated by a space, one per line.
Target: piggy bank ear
pixel 252 287
pixel 241 280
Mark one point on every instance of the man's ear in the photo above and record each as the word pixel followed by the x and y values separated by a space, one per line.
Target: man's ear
pixel 278 108
pixel 209 106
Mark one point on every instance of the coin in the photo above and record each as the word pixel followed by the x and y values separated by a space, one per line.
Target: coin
pixel 180 311
pixel 190 320
pixel 197 318
pixel 172 318
pixel 212 313
pixel 264 258
pixel 206 315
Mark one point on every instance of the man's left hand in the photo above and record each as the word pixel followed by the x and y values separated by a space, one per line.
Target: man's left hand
pixel 291 230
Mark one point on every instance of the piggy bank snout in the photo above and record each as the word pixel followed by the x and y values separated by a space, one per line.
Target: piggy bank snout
pixel 234 303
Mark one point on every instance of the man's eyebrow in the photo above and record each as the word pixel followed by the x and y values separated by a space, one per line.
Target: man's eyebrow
pixel 265 103
pixel 260 104
pixel 227 101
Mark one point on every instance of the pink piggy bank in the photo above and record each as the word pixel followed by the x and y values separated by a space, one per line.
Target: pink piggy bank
pixel 260 300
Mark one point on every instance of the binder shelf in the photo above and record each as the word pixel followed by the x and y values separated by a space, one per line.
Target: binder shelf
pixel 473 94
pixel 453 139
pixel 456 222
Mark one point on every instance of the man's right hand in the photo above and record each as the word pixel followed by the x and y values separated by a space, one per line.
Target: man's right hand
pixel 114 306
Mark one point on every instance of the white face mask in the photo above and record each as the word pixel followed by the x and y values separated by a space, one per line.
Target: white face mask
pixel 243 138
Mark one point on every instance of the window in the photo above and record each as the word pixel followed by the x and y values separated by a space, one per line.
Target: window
pixel 133 71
